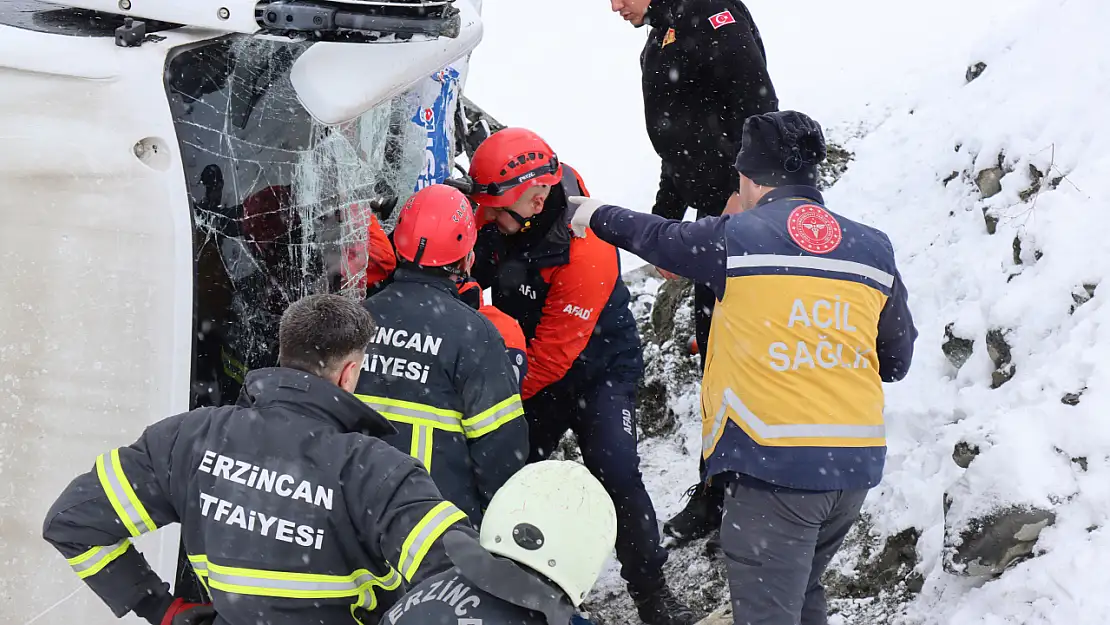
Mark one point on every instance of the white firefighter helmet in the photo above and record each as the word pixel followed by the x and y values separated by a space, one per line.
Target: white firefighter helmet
pixel 555 518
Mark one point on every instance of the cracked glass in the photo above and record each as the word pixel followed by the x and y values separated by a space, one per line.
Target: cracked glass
pixel 280 202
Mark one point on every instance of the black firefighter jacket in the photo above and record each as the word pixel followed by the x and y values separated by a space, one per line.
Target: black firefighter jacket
pixel 481 588
pixel 704 74
pixel 438 370
pixel 290 511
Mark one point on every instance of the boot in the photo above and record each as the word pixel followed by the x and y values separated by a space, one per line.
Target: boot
pixel 701 515
pixel 663 608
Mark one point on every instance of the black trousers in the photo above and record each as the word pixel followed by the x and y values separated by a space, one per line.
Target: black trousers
pixel 602 415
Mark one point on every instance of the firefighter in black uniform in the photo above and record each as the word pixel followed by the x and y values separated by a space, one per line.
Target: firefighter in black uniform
pixel 704 74
pixel 544 541
pixel 436 367
pixel 291 509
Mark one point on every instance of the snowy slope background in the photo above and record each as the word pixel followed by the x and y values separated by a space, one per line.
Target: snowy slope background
pixel 889 83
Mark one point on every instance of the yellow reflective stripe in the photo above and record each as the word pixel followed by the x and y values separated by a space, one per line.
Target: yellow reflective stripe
pixel 424 535
pixel 421 449
pixel 200 569
pixel 415 414
pixel 493 418
pixel 94 560
pixel 264 583
pixel 232 367
pixel 122 497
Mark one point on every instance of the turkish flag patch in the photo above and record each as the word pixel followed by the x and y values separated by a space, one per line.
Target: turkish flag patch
pixel 722 18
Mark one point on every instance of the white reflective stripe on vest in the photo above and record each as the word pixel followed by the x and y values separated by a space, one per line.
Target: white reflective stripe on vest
pixel 787 430
pixel 122 497
pixel 94 560
pixel 812 262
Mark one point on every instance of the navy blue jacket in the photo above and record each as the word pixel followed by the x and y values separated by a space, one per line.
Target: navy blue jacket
pixel 812 317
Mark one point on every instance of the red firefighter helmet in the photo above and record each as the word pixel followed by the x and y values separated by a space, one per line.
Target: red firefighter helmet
pixel 510 162
pixel 435 227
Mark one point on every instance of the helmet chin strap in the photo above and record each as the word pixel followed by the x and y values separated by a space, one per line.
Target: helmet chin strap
pixel 525 222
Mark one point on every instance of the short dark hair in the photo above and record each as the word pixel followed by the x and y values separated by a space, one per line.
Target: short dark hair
pixel 318 332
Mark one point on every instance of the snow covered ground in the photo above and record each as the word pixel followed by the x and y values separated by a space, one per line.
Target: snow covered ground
pixel 887 80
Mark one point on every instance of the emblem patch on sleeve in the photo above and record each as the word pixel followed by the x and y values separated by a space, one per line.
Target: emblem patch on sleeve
pixel 721 19
pixel 814 229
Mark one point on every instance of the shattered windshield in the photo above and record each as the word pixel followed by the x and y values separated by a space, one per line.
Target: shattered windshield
pixel 280 202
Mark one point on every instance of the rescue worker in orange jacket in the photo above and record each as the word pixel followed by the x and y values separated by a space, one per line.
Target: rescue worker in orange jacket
pixel 437 368
pixel 583 347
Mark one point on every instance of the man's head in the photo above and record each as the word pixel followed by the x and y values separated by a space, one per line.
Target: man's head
pixel 778 149
pixel 325 335
pixel 513 171
pixel 436 229
pixel 632 11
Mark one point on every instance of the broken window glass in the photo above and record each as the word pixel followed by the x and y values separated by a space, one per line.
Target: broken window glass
pixel 280 202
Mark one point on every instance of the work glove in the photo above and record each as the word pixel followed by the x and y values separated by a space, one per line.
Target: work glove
pixel 584 208
pixel 181 612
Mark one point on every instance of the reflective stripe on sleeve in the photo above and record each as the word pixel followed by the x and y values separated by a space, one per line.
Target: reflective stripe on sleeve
pixel 812 262
pixel 489 420
pixel 263 583
pixel 424 535
pixel 92 561
pixel 414 413
pixel 122 497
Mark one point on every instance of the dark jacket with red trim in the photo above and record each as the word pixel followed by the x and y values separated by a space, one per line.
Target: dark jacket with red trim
pixel 566 293
pixel 704 74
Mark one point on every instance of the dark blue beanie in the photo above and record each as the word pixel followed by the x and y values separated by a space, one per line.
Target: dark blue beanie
pixel 781 148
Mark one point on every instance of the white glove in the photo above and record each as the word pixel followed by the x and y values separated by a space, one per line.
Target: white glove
pixel 584 208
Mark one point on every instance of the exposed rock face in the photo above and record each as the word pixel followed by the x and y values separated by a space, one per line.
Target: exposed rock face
pixel 989 182
pixel 881 567
pixel 836 163
pixel 991 543
pixel 975 71
pixel 956 349
pixel 963 453
pixel 1081 295
pixel 672 295
pixel 999 351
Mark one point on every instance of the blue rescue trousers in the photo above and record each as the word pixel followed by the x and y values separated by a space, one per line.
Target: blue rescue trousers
pixel 602 416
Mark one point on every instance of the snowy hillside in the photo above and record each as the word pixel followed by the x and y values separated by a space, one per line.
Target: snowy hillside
pixel 990 191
